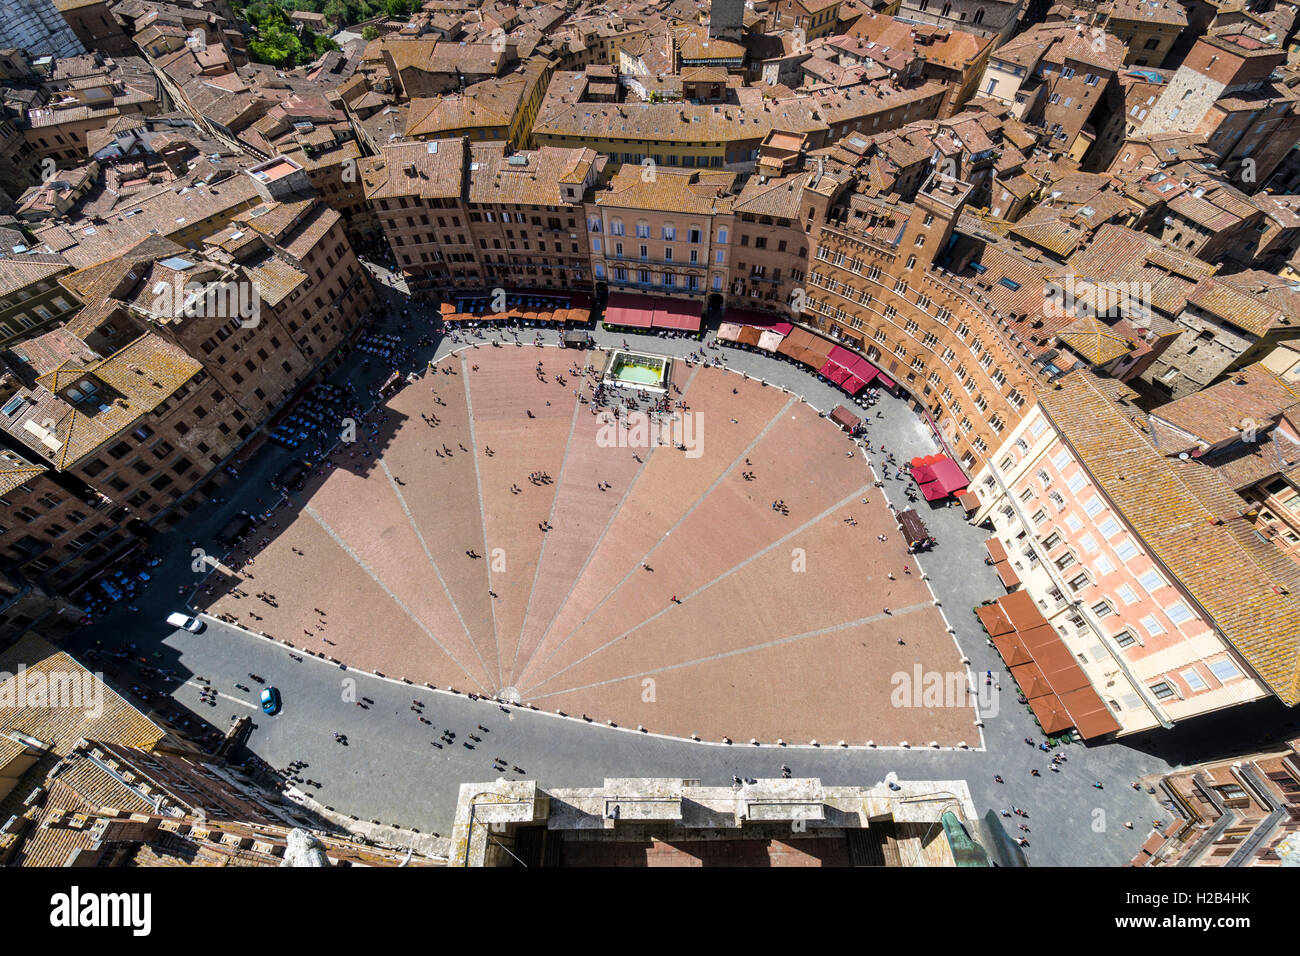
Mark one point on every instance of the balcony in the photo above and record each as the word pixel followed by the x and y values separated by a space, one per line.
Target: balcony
pixel 651 261
pixel 631 283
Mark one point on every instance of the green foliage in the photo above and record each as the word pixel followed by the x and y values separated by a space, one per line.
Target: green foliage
pixel 369 33
pixel 323 45
pixel 341 13
pixel 277 41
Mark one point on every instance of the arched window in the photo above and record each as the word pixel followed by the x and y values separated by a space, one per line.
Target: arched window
pixel 722 236
pixel 947 9
pixel 979 15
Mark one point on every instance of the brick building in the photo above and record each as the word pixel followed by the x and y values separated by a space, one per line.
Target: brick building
pixel 181 357
pixel 1054 76
pixel 1148 28
pixel 526 216
pixel 877 284
pixel 31 299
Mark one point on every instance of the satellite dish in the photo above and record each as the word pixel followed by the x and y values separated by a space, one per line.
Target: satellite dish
pixel 1183 456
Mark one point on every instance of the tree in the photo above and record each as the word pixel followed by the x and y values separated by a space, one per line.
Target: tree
pixel 321 45
pixel 336 12
pixel 369 33
pixel 398 9
pixel 276 42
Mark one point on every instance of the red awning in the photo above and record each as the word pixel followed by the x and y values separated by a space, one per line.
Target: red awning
pixel 1022 612
pixel 864 370
pixel 836 373
pixel 635 311
pixel 950 476
pixel 1051 714
pixel 758 320
pixel 1031 680
pixel 1012 649
pixel 1092 717
pixel 676 314
pixel 819 351
pixel 1007 574
pixel 842 356
pixel 938 476
pixel 860 370
pixel 933 491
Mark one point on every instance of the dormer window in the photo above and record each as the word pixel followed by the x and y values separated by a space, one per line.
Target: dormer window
pixel 84 392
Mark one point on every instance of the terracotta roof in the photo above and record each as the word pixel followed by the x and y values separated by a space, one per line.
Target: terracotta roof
pixel 143 374
pixel 778 197
pixel 1216 414
pixel 531 177
pixel 1242 310
pixel 16 471
pixel 1096 341
pixel 1046 229
pixel 21 271
pixel 702 193
pixel 432 170
pixel 563 113
pixel 61 724
pixel 492 103
pixel 1144 11
pixel 947 47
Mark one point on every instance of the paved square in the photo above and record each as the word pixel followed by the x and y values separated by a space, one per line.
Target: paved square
pixel 643 585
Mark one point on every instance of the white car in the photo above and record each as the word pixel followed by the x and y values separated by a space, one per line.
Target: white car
pixel 191 624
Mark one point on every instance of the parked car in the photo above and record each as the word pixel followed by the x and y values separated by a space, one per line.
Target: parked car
pixel 270 700
pixel 191 624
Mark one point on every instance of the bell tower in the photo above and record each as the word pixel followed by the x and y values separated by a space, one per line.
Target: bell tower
pixel 934 215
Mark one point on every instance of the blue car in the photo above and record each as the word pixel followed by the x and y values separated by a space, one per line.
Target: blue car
pixel 270 700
